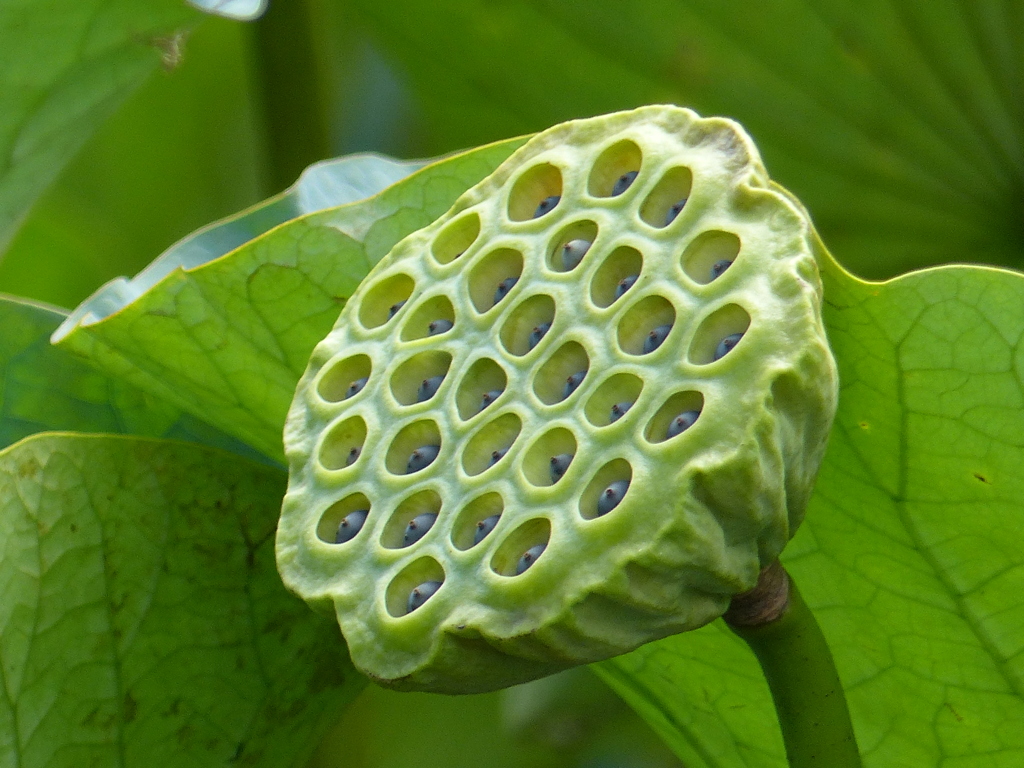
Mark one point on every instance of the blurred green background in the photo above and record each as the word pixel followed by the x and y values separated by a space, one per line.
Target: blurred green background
pixel 899 124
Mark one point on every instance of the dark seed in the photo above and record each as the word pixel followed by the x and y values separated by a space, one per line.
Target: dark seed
pixel 504 287
pixel 619 410
pixel 573 253
pixel 350 525
pixel 537 334
pixel 353 454
pixel 611 496
pixel 656 338
pixel 726 345
pixel 546 205
pixel 484 527
pixel 572 383
pixel 624 285
pixel 490 397
pixel 497 456
pixel 439 326
pixel 718 268
pixel 559 464
pixel 421 458
pixel 356 387
pixel 428 388
pixel 421 594
pixel 418 527
pixel 674 211
pixel 623 183
pixel 393 309
pixel 529 558
pixel 681 423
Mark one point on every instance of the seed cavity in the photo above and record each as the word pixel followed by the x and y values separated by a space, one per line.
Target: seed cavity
pixel 562 373
pixel 350 525
pixel 376 305
pixel 393 309
pixel 573 253
pixel 546 205
pixel 616 275
pixel 618 410
pixel 527 323
pixel 490 397
pixel 531 536
pixel 339 441
pixel 718 333
pixel 414 447
pixel 535 192
pixel 549 456
pixel 615 169
pixel 456 238
pixel 674 210
pixel 428 388
pixel 624 285
pixel 356 386
pixel 337 378
pixel 666 200
pixel 675 415
pixel 645 326
pixel 709 254
pixel 490 442
pixel 484 527
pixel 439 326
pixel 353 454
pixel 504 287
pixel 476 520
pixel 418 378
pixel 479 386
pixel 606 489
pixel 681 423
pixel 572 383
pixel 415 577
pixel 343 519
pixel 529 557
pixel 538 333
pixel 493 276
pixel 431 317
pixel 611 496
pixel 560 465
pixel 656 338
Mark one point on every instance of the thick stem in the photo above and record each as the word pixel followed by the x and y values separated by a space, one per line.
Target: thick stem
pixel 809 700
pixel 290 81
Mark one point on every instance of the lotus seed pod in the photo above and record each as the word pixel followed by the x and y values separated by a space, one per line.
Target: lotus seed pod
pixel 355 387
pixel 623 183
pixel 484 527
pixel 656 338
pixel 353 454
pixel 393 309
pixel 439 326
pixel 674 211
pixel 699 509
pixel 573 383
pixel 573 253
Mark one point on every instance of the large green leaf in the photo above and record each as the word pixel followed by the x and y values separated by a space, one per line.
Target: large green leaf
pixel 912 554
pixel 65 65
pixel 142 620
pixel 900 124
pixel 228 340
pixel 43 388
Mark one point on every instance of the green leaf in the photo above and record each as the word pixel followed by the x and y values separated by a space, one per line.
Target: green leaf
pixel 43 388
pixel 899 125
pixel 227 341
pixel 142 620
pixel 65 66
pixel 912 553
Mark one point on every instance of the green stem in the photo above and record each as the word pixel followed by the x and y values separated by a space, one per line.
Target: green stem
pixel 801 674
pixel 290 78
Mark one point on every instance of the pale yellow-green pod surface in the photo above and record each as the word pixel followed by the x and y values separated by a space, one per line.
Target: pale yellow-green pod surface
pixel 577 413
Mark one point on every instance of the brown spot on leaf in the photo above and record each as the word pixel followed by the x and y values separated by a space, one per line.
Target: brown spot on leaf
pixel 981 478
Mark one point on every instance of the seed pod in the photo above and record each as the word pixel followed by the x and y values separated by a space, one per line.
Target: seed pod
pixel 393 309
pixel 421 594
pixel 504 287
pixel 572 383
pixel 573 253
pixel 681 423
pixel 421 458
pixel 439 326
pixel 529 557
pixel 428 388
pixel 634 518
pixel 418 527
pixel 350 525
pixel 624 182
pixel 726 344
pixel 484 527
pixel 611 496
pixel 656 338
pixel 546 206
pixel 356 387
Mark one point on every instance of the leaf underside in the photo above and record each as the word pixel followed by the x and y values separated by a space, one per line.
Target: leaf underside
pixel 142 620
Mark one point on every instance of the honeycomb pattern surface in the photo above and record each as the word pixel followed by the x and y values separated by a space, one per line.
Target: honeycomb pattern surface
pixel 576 413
